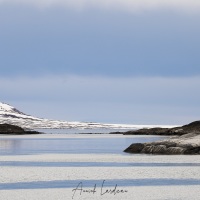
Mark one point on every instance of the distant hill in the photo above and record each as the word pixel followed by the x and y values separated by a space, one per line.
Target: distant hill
pixel 11 115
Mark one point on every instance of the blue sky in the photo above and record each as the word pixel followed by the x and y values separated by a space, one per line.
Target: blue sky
pixel 107 61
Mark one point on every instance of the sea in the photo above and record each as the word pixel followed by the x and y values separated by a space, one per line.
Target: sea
pixel 72 145
pixel 51 165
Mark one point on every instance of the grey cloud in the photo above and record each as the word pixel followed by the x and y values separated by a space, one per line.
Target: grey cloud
pixel 127 5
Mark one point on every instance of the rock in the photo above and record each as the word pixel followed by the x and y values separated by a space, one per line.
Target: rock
pixel 135 148
pixel 148 149
pixel 145 131
pixel 155 148
pixel 187 142
pixel 12 129
pixel 116 133
pixel 159 149
pixel 193 127
pixel 175 150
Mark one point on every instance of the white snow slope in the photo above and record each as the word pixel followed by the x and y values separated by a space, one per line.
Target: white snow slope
pixel 11 115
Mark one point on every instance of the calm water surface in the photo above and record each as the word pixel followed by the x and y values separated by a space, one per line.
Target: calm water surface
pixel 90 144
pixel 78 145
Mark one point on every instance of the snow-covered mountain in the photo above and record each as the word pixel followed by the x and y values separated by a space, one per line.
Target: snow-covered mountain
pixel 11 115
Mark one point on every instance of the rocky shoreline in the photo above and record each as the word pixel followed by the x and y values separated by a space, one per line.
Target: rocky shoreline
pixel 192 127
pixel 186 141
pixel 15 130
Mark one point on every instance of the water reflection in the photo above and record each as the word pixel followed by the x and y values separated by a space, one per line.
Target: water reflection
pixel 9 146
pixel 113 145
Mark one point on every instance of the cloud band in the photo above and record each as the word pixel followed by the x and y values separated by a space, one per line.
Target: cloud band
pixel 128 5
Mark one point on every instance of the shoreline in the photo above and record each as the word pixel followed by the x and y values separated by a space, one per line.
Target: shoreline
pixel 186 141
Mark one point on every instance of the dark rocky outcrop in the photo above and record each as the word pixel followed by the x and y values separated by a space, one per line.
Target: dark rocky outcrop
pixel 150 131
pixel 192 127
pixel 15 130
pixel 168 147
pixel 186 142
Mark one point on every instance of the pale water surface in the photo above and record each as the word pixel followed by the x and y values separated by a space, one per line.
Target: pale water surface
pixel 33 166
pixel 114 144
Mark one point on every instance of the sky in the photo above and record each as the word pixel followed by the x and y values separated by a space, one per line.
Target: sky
pixel 111 61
